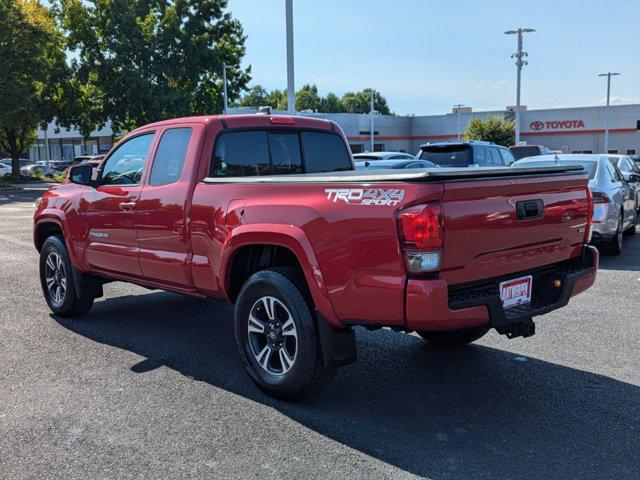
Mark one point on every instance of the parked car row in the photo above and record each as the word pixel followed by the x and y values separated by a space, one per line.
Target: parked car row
pixel 614 180
pixel 615 194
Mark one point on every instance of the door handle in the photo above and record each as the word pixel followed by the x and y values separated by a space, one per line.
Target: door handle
pixel 127 206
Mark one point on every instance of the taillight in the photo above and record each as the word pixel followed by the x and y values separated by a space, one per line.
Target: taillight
pixel 589 227
pixel 421 236
pixel 600 197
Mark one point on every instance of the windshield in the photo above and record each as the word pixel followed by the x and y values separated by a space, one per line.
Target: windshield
pixel 447 155
pixel 521 152
pixel 590 167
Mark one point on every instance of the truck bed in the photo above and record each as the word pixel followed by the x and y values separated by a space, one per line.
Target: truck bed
pixel 390 175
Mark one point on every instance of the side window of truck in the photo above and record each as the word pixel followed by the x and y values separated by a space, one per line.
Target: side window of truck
pixel 324 152
pixel 170 155
pixel 125 165
pixel 241 154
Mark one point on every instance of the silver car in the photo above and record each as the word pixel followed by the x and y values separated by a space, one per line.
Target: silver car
pixel 630 171
pixel 615 201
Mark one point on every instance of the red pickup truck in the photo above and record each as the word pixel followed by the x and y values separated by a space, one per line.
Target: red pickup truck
pixel 268 212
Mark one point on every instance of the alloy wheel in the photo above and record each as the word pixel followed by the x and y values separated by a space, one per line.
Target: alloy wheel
pixel 273 337
pixel 56 278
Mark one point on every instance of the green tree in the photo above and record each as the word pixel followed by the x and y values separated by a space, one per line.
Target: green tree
pixel 33 73
pixel 256 97
pixel 494 129
pixel 150 60
pixel 277 99
pixel 360 102
pixel 331 104
pixel 307 98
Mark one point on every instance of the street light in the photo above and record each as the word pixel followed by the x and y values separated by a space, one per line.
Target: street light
pixel 291 95
pixel 372 112
pixel 224 87
pixel 606 110
pixel 457 108
pixel 519 55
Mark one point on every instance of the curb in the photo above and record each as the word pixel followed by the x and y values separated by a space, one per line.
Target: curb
pixel 10 188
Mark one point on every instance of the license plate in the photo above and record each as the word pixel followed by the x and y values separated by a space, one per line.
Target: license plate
pixel 516 292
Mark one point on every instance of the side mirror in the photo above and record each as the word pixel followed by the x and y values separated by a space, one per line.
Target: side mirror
pixel 81 174
pixel 632 177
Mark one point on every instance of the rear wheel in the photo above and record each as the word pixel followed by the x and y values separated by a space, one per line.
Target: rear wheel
pixel 56 278
pixel 277 337
pixel 614 246
pixel 455 338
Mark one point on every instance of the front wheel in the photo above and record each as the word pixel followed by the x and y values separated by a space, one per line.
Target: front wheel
pixel 56 278
pixel 455 338
pixel 277 337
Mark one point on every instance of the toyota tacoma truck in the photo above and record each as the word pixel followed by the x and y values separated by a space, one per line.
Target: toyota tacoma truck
pixel 268 212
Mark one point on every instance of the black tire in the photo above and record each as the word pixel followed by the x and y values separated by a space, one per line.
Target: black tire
pixel 632 229
pixel 614 246
pixel 307 373
pixel 454 338
pixel 67 303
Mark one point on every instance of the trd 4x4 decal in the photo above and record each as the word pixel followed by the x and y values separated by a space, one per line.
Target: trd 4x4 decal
pixel 365 196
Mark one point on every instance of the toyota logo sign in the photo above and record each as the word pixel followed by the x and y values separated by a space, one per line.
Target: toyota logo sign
pixel 537 125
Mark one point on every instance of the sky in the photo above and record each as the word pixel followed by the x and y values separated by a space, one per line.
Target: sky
pixel 424 55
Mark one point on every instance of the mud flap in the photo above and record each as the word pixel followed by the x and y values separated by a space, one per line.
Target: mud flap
pixel 338 344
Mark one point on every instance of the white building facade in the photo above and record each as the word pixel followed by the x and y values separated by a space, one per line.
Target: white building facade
pixel 577 130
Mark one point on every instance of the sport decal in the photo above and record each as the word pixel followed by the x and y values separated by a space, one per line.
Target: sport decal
pixel 365 196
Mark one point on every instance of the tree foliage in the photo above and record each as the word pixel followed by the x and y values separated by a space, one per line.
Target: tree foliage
pixel 307 98
pixel 144 60
pixel 360 102
pixel 33 73
pixel 494 129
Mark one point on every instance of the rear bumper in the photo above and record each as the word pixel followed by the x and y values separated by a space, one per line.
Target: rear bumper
pixel 432 305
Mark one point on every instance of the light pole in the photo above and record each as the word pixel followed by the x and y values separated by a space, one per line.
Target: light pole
pixel 458 107
pixel 291 93
pixel 519 55
pixel 371 113
pixel 224 87
pixel 606 110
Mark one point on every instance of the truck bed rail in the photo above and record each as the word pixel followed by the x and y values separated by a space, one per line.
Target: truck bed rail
pixel 390 175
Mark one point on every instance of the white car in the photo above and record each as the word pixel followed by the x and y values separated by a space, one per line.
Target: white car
pixel 5 169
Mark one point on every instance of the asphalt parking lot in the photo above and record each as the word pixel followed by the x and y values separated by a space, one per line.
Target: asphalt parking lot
pixel 149 385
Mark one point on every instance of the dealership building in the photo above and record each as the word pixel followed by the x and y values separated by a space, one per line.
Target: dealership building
pixel 571 130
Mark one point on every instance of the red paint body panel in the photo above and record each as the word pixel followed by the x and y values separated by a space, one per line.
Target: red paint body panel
pixel 184 236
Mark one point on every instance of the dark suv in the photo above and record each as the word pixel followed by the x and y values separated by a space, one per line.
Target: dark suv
pixel 466 154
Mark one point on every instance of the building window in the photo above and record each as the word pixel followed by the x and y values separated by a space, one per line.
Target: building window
pixel 631 151
pixel 378 147
pixel 614 151
pixel 356 148
pixel 638 125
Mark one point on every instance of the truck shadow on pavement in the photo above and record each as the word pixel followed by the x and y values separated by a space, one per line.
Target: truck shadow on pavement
pixel 475 412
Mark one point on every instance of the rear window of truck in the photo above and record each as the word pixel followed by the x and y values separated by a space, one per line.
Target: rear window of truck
pixel 275 152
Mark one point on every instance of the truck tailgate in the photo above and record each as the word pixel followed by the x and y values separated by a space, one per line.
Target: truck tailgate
pixel 495 227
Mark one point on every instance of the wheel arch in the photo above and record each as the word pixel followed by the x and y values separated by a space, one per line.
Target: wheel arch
pixel 255 247
pixel 47 225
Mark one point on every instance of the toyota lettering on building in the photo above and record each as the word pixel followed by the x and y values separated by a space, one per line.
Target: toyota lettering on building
pixel 537 125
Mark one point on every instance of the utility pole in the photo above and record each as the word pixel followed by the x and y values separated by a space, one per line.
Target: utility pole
pixel 372 113
pixel 606 110
pixel 291 92
pixel 457 109
pixel 519 55
pixel 224 87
